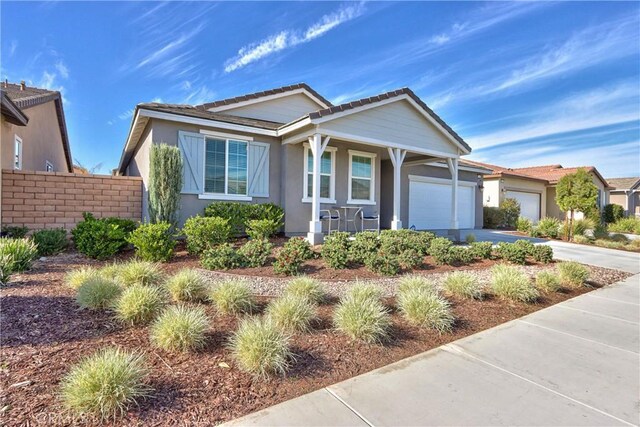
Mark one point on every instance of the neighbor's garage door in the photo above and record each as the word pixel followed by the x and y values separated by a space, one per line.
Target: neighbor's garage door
pixel 430 205
pixel 529 204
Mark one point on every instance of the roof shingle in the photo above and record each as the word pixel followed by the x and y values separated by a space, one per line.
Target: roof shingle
pixel 29 96
pixel 623 183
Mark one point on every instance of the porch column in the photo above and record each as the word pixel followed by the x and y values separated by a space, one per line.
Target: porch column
pixel 453 168
pixel 314 236
pixel 397 157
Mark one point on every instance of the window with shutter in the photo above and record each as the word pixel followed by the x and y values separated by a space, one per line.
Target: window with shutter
pixel 259 169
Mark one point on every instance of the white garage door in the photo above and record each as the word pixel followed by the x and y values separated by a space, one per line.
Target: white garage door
pixel 529 204
pixel 430 205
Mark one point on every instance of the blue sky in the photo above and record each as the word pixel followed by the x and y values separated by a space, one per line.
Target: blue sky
pixel 523 83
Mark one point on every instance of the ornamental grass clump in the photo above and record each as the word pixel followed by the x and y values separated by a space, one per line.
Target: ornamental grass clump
pixel 232 296
pixel 20 252
pixel 180 328
pixel 548 281
pixel 572 274
pixel 139 304
pixel 361 316
pixel 511 283
pixel 260 347
pixel 76 278
pixel 105 384
pixel 97 293
pixel 306 287
pixel 187 285
pixel 416 282
pixel 291 313
pixel 463 285
pixel 425 309
pixel 139 273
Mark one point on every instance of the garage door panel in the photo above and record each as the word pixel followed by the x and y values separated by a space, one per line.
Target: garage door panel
pixel 529 203
pixel 430 205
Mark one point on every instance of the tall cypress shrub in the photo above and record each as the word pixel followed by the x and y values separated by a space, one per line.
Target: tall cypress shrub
pixel 165 183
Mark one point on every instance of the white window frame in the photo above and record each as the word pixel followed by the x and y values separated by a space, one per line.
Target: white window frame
pixel 17 142
pixel 372 194
pixel 225 195
pixel 332 181
pixel 47 165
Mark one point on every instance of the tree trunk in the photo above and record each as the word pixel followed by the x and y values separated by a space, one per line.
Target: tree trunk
pixel 571 226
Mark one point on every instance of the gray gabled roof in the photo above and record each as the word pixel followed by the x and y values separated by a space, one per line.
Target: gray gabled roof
pixel 12 112
pixel 624 183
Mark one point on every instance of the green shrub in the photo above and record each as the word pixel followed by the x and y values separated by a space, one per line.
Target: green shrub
pixel 19 254
pixel 612 213
pixel 51 241
pixel 292 255
pixel 153 242
pixel 426 309
pixel 508 282
pixel 260 347
pixel 262 228
pixel 524 225
pixel 542 253
pixel 335 250
pixel 600 231
pixel 187 285
pixel 239 214
pixel 583 240
pixel 610 244
pixel 549 227
pixel 629 225
pixel 481 249
pixel 463 285
pixel 535 232
pixel 384 263
pixel 526 246
pixel 362 317
pixel 291 313
pixel 180 328
pixel 398 241
pixel 511 252
pixel 97 293
pixel 255 252
pixel 548 281
pixel 572 274
pixel 110 271
pixel 470 238
pixel 6 268
pixel 364 246
pixel 619 238
pixel 410 259
pixel 105 384
pixel 511 211
pixel 306 287
pixel 165 184
pixel 440 250
pixel 77 277
pixel 407 283
pixel 139 304
pixel 204 233
pixel 14 232
pixel 580 226
pixel 232 296
pixel 101 238
pixel 460 254
pixel 492 217
pixel 139 273
pixel 221 257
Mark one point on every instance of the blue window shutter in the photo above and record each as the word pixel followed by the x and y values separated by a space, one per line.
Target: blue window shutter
pixel 258 169
pixel 192 148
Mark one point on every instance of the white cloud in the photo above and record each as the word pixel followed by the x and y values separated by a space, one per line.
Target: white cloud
pixel 197 96
pixel 126 115
pixel 168 48
pixel 13 47
pixel 440 39
pixel 290 38
pixel 62 69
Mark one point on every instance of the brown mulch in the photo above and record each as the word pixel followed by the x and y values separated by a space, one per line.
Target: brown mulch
pixel 44 332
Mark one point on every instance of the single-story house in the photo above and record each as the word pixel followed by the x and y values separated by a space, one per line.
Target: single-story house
pixel 626 193
pixel 534 188
pixel 389 154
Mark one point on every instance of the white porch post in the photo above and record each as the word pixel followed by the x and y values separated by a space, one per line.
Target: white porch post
pixel 314 236
pixel 397 157
pixel 453 168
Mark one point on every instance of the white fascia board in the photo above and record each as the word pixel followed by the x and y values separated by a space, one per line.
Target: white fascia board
pixel 461 167
pixel 294 126
pixel 269 98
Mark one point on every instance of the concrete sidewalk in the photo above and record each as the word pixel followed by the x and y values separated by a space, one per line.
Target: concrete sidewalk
pixel 575 363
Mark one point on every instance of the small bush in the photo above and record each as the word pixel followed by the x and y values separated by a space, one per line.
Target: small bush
pixel 187 285
pixel 581 226
pixel 492 217
pixel 262 228
pixel 105 384
pixel 364 246
pixel 97 293
pixel 547 281
pixel 460 254
pixel 292 255
pixel 6 268
pixel 335 250
pixel 610 244
pixel 77 277
pixel 139 304
pixel 463 285
pixel 583 240
pixel 524 225
pixel 398 241
pixel 50 242
pixel 549 227
pixel 306 287
pixel 14 232
pixel 572 274
pixel 440 250
pixel 221 257
pixel 612 213
pixel 255 252
pixel 471 238
pixel 204 233
pixel 526 246
pixel 426 309
pixel 511 252
pixel 410 259
pixel 621 238
pixel 18 254
pixel 384 263
pixel 180 328
pixel 153 242
pixel 481 249
pixel 232 296
pixel 291 313
pixel 239 214
pixel 362 317
pixel 542 253
pixel 511 211
pixel 600 231
pixel 139 273
pixel 261 348
pixel 101 238
pixel 508 282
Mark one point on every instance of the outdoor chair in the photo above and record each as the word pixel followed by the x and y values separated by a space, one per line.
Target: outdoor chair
pixel 330 216
pixel 371 220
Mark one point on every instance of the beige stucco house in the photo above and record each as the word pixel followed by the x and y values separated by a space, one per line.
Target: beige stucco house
pixel 626 193
pixel 534 188
pixel 389 155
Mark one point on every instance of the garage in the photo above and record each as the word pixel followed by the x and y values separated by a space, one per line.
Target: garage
pixel 529 203
pixel 430 203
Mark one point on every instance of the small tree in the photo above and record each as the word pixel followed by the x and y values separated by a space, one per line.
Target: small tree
pixel 511 211
pixel 576 192
pixel 165 183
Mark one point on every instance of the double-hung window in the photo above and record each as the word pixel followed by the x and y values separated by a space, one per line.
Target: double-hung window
pixel 361 177
pixel 327 175
pixel 225 168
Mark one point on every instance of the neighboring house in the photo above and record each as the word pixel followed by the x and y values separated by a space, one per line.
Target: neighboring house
pixel 626 193
pixel 389 154
pixel 534 188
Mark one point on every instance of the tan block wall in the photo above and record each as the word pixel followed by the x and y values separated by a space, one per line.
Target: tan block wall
pixel 52 200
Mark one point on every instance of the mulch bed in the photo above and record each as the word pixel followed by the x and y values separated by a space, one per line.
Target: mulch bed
pixel 44 333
